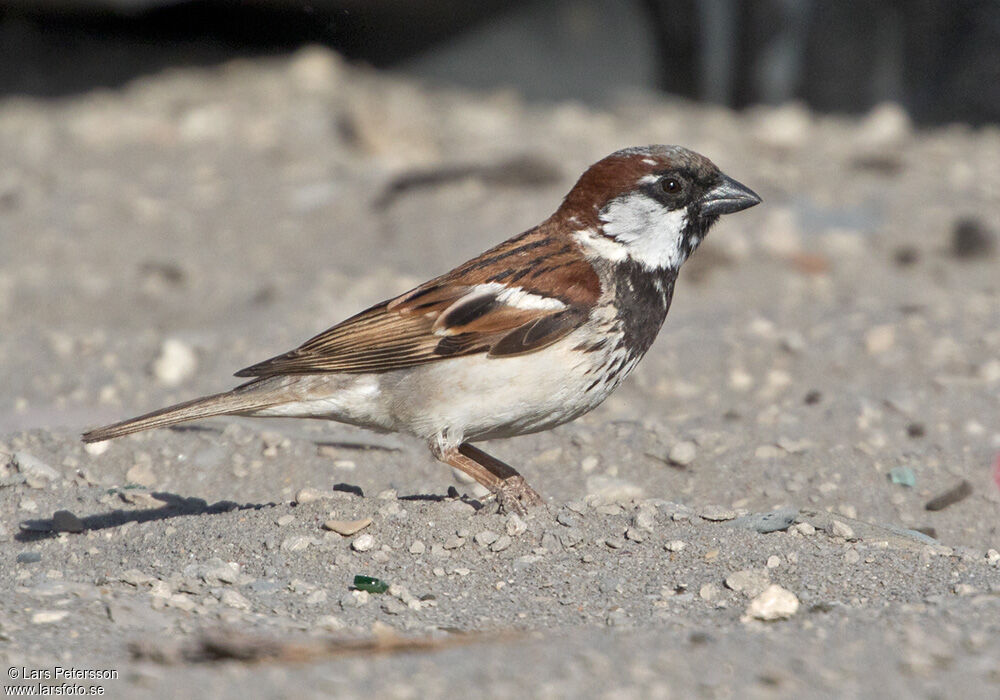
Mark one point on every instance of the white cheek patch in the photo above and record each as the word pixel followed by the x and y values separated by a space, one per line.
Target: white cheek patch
pixel 651 234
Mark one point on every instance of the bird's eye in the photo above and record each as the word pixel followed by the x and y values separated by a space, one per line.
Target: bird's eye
pixel 671 185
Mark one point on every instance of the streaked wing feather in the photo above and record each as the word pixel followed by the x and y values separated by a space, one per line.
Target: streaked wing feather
pixel 538 334
pixel 428 324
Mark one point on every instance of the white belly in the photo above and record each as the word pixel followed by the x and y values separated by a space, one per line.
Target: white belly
pixel 472 397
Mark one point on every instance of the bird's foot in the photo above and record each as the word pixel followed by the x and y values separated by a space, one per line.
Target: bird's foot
pixel 513 495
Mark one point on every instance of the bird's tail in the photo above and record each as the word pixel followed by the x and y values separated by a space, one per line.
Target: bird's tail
pixel 237 401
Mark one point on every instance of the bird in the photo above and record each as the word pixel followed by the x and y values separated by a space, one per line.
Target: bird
pixel 527 336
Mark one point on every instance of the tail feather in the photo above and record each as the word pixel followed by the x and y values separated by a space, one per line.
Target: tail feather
pixel 207 406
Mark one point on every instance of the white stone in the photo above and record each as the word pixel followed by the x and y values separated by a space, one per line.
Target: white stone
pixel 775 603
pixel 363 543
pixel 307 495
pixel 96 449
pixel 683 453
pixel 43 617
pixel 840 529
pixel 175 363
pixel 29 465
pixel 750 582
pixel 879 339
pixel 234 599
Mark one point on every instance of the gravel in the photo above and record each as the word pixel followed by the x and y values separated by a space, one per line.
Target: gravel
pixel 237 211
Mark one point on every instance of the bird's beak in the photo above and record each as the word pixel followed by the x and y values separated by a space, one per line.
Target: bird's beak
pixel 727 197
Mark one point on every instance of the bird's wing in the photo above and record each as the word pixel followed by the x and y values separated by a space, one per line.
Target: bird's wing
pixel 433 322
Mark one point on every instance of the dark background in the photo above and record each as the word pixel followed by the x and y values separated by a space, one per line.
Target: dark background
pixel 940 59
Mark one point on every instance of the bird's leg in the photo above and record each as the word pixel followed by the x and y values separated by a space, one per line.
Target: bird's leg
pixel 510 489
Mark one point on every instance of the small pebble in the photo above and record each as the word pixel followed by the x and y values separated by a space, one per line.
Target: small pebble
pixel 160 589
pixel 750 582
pixel 804 529
pixel 391 606
pixel 515 525
pixel 316 597
pixel 355 599
pixel 904 476
pixel 502 543
pixel 708 592
pixel 29 465
pixel 716 513
pixel 417 547
pixel 363 543
pixel 841 529
pixel 848 511
pixel 880 339
pixel 285 520
pixel 234 599
pixel 773 561
pixel 43 617
pixel 683 453
pixel 645 518
pixel 774 521
pixel 141 474
pixel 604 490
pixel 96 449
pixel 775 603
pixel 454 542
pixel 675 545
pixel 222 572
pixel 307 495
pixel 330 623
pixel 564 518
pixel 486 538
pixel 136 578
pixel 175 363
pixel 347 527
pixel 851 556
pixel 296 543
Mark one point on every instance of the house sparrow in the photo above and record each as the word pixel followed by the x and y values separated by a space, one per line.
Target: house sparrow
pixel 527 336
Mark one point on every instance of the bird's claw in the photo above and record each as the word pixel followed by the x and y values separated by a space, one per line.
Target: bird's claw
pixel 513 495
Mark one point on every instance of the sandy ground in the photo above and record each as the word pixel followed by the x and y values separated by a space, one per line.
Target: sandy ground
pixel 832 355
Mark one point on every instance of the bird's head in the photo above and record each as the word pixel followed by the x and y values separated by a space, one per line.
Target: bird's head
pixel 651 204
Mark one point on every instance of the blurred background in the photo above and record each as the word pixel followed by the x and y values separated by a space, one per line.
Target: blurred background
pixel 939 59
